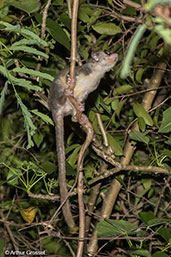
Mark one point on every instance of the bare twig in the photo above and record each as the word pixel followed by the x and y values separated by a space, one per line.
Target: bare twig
pixel 108 173
pixel 43 29
pixel 44 197
pixel 82 119
pixel 105 140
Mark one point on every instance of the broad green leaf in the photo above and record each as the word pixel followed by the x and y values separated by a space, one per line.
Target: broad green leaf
pixel 65 19
pixel 27 49
pixel 132 48
pixel 122 90
pixel 124 225
pixel 58 33
pixel 146 183
pixel 140 252
pixel 153 42
pixel 49 167
pixel 146 216
pixel 43 116
pixel 34 73
pixel 111 228
pixel 138 136
pixel 160 254
pixel 166 122
pixel 49 244
pixel 115 104
pixel 85 13
pixel 165 233
pixel 158 221
pixel 129 11
pixel 106 107
pixel 141 123
pixel 70 171
pixel 73 157
pixel 139 74
pixel 38 138
pixel 116 146
pixel 120 105
pixel 26 6
pixel 12 178
pixel 106 28
pixel 88 15
pixel 141 112
pixel 167 152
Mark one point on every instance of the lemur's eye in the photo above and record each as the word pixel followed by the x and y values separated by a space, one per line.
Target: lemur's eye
pixel 107 52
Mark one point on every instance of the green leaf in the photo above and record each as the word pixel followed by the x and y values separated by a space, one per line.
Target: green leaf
pixel 160 254
pixel 158 221
pixel 129 11
pixel 49 167
pixel 167 152
pixel 58 33
pixel 2 97
pixel 24 42
pixel 115 104
pixel 49 244
pixel 141 123
pixel 153 42
pixel 120 105
pixel 38 138
pixel 110 228
pixel 140 112
pixel 140 252
pixel 19 82
pixel 166 122
pixel 106 107
pixel 88 15
pixel 122 90
pixel 132 48
pixel 73 157
pixel 43 116
pixel 29 50
pixel 116 146
pixel 25 32
pixel 24 83
pixel 106 28
pixel 85 14
pixel 34 73
pixel 139 74
pixel 165 233
pixel 26 6
pixel 146 216
pixel 138 136
pixel 12 178
pixel 30 128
